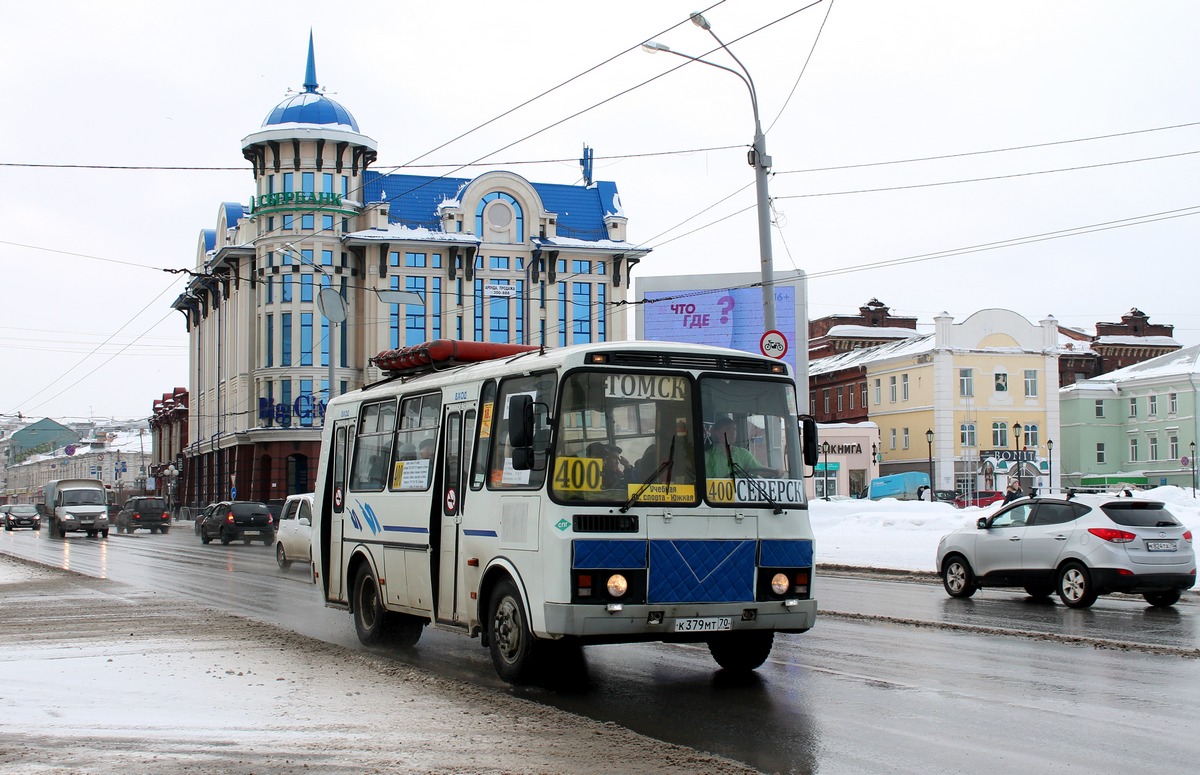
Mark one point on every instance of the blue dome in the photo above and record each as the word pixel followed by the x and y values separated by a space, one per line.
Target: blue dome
pixel 308 107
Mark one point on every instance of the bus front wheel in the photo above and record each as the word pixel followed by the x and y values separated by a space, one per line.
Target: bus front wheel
pixel 741 651
pixel 509 637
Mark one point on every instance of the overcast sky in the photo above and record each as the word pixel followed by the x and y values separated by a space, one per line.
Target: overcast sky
pixel 1105 90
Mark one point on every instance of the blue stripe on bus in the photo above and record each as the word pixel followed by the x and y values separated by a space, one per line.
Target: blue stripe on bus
pixel 485 533
pixel 607 553
pixel 701 571
pixel 785 554
pixel 399 529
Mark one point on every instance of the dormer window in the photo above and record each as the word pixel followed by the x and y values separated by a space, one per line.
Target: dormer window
pixel 499 218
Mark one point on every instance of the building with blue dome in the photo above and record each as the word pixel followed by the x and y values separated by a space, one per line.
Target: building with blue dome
pixel 491 258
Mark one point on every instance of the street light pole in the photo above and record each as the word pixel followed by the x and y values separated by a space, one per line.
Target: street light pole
pixel 825 471
pixel 1050 471
pixel 758 158
pixel 1016 430
pixel 1193 469
pixel 929 441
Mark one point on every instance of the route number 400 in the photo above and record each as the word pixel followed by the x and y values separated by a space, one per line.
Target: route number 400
pixel 579 474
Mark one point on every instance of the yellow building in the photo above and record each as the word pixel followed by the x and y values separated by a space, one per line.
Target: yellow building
pixel 973 404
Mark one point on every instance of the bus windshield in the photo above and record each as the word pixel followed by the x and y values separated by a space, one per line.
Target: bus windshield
pixel 645 438
pixel 620 432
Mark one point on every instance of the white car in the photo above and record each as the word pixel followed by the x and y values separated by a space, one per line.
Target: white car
pixel 1079 547
pixel 294 535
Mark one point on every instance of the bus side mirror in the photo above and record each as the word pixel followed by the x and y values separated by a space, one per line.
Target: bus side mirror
pixel 808 434
pixel 520 421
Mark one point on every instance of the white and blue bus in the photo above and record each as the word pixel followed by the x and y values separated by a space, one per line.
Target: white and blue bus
pixel 603 493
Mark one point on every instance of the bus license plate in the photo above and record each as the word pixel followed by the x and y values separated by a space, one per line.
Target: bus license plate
pixel 1160 546
pixel 707 624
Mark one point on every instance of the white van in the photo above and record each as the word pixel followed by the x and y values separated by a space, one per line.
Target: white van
pixel 75 505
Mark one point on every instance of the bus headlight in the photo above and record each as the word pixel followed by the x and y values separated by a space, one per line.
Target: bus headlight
pixel 780 584
pixel 617 585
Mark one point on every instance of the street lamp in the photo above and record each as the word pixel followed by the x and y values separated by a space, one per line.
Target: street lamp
pixel 757 158
pixel 171 473
pixel 1050 471
pixel 929 441
pixel 1016 431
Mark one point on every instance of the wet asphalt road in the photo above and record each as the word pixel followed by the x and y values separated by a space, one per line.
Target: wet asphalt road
pixel 896 676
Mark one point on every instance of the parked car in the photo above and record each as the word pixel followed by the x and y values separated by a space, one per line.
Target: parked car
pixel 979 498
pixel 294 536
pixel 945 496
pixel 22 515
pixel 231 520
pixel 144 511
pixel 1079 547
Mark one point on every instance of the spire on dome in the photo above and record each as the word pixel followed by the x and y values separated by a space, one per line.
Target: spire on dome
pixel 310 72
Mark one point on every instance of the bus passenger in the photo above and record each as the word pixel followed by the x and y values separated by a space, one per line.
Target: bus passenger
pixel 615 465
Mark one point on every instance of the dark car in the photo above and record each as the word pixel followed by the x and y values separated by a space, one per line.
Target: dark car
pixel 231 520
pixel 146 512
pixel 22 515
pixel 979 498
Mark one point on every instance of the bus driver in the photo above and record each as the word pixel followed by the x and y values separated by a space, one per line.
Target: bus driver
pixel 723 445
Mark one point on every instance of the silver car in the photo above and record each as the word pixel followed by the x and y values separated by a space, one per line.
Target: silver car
pixel 1079 547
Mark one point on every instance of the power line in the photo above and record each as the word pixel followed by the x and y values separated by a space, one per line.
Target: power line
pixel 990 177
pixel 992 150
pixel 94 351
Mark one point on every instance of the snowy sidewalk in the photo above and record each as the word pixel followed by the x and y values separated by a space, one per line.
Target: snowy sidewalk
pixel 96 676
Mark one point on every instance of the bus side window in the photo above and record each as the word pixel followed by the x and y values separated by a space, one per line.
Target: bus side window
pixel 416 441
pixel 468 435
pixel 373 448
pixel 453 462
pixel 339 465
pixel 502 474
pixel 487 406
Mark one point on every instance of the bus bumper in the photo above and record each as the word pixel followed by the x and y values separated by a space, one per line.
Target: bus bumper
pixel 684 622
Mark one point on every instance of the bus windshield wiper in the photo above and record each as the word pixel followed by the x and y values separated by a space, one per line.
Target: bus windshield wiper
pixel 754 481
pixel 666 465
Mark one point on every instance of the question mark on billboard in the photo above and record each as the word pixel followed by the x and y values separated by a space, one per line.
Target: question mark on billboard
pixel 726 304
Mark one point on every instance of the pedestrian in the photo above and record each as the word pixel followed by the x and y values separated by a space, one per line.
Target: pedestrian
pixel 1013 492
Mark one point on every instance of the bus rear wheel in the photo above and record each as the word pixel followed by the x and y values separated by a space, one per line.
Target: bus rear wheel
pixel 509 637
pixel 741 651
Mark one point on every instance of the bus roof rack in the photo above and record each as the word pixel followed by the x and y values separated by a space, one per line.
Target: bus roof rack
pixel 442 354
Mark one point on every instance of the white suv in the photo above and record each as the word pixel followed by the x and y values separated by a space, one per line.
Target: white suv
pixel 1079 547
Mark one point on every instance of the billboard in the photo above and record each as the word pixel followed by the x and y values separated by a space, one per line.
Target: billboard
pixel 725 310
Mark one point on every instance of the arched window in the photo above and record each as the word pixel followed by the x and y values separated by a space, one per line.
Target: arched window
pixel 999 435
pixel 499 218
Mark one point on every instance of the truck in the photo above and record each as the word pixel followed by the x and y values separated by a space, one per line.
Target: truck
pixel 902 487
pixel 75 505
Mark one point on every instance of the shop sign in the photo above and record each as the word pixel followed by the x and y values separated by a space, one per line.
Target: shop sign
pixel 305 407
pixel 296 199
pixel 1011 455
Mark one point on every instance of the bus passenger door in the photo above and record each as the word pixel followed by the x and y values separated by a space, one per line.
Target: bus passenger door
pixel 459 429
pixel 333 528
